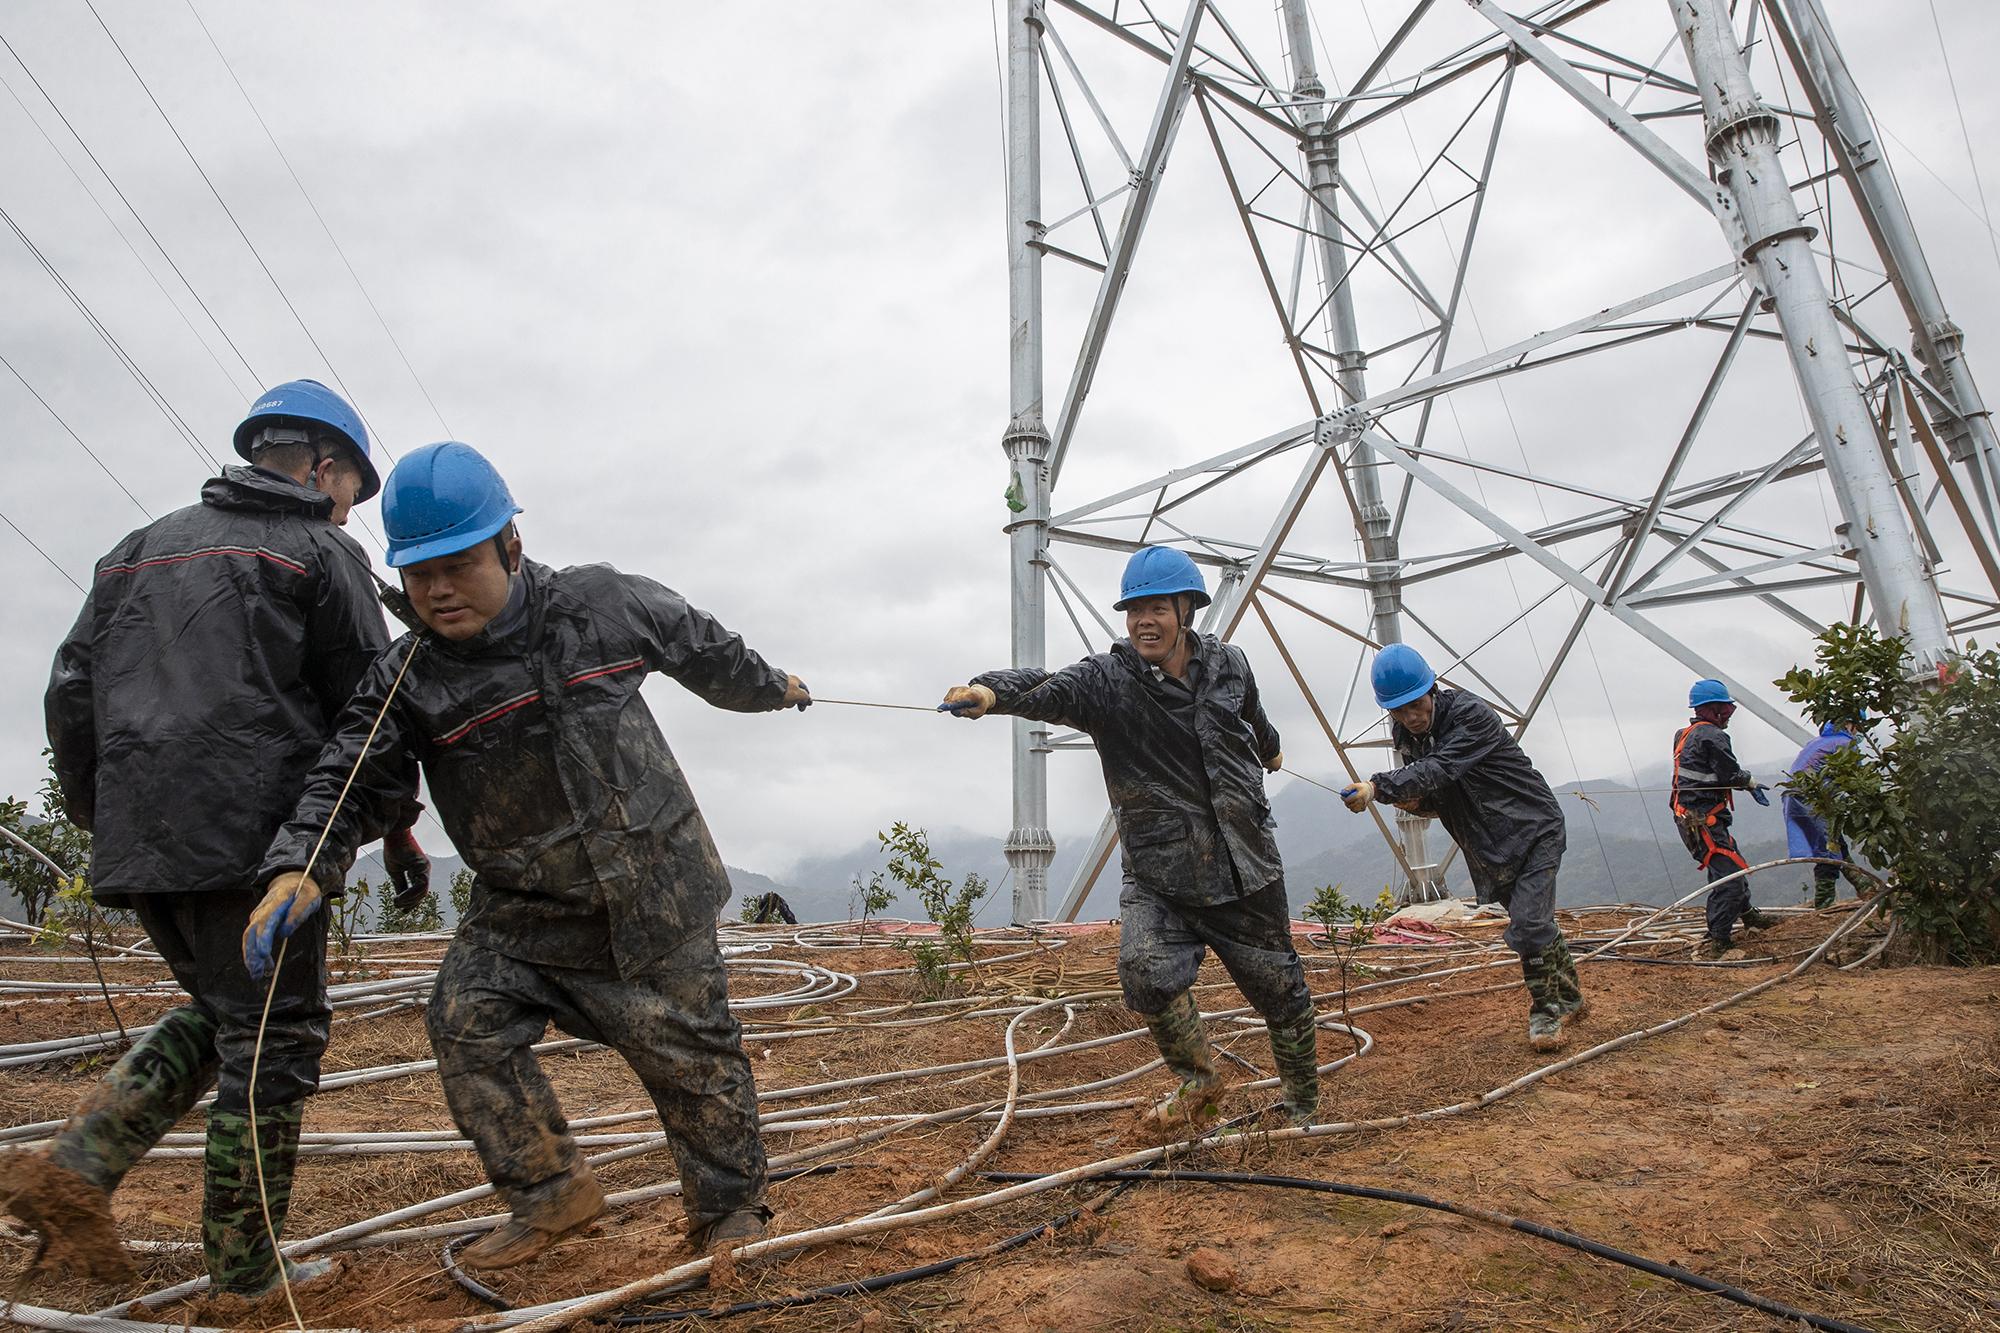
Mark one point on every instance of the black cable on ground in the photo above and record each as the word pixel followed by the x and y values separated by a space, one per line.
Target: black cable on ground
pixel 1587 1246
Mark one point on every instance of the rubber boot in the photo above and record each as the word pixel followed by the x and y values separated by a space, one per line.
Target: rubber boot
pixel 543 1215
pixel 1183 1044
pixel 235 1238
pixel 1824 892
pixel 64 1190
pixel 1569 988
pixel 1755 920
pixel 1545 1011
pixel 1713 949
pixel 1295 1051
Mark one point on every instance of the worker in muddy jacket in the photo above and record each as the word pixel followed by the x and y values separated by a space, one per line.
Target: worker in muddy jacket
pixel 1706 778
pixel 1459 766
pixel 1185 745
pixel 596 885
pixel 214 651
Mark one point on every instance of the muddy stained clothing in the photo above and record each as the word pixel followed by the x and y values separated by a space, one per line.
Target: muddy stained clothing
pixel 1161 942
pixel 1469 774
pixel 547 769
pixel 201 937
pixel 671 1023
pixel 200 681
pixel 1702 796
pixel 1183 763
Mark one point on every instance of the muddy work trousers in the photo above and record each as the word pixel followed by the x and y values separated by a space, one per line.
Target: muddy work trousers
pixel 201 937
pixel 1161 943
pixel 671 1023
pixel 1708 840
pixel 1527 889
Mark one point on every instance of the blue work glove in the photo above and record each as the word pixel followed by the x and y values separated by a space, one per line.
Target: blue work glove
pixel 409 870
pixel 1758 793
pixel 968 701
pixel 291 898
pixel 1358 796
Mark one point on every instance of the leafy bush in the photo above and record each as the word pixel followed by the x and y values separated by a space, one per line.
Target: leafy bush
pixel 950 906
pixel 1331 909
pixel 55 837
pixel 461 894
pixel 424 917
pixel 1916 793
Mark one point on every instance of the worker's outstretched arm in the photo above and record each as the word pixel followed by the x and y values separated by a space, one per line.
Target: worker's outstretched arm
pixel 694 648
pixel 1077 696
pixel 1476 731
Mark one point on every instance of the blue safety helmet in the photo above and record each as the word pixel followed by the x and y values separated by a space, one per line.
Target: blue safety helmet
pixel 441 499
pixel 1160 571
pixel 1709 692
pixel 1400 676
pixel 310 402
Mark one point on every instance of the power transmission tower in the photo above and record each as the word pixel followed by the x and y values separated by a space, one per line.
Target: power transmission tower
pixel 1347 515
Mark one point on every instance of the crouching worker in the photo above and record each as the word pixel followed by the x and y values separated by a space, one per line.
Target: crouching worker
pixel 596 886
pixel 1460 767
pixel 1184 744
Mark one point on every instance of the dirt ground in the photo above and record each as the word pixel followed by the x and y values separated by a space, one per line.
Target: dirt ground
pixel 1833 1144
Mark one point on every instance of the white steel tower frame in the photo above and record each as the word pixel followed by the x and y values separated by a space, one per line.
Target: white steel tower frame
pixel 1906 450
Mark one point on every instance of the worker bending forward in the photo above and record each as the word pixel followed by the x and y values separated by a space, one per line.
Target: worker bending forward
pixel 185 709
pixel 1184 744
pixel 1705 782
pixel 1460 767
pixel 596 885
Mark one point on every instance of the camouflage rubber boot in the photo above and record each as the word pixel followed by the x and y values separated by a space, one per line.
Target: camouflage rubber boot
pixel 1755 920
pixel 1295 1050
pixel 1545 1011
pixel 235 1240
pixel 1569 988
pixel 1713 950
pixel 1824 892
pixel 64 1191
pixel 1183 1044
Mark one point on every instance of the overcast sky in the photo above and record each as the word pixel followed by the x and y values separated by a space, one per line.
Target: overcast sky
pixel 722 290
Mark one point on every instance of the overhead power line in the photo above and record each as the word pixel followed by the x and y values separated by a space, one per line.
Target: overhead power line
pixel 139 376
pixel 40 552
pixel 321 219
pixel 227 212
pixel 136 215
pixel 74 436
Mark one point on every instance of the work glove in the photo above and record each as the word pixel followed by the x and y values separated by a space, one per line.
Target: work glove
pixel 1760 793
pixel 291 898
pixel 1358 796
pixel 409 870
pixel 969 700
pixel 1275 762
pixel 796 694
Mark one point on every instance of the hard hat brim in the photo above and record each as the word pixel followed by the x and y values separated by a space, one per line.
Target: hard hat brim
pixel 1201 597
pixel 1409 696
pixel 450 543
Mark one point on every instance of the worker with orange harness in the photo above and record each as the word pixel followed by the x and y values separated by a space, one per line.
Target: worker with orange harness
pixel 1706 778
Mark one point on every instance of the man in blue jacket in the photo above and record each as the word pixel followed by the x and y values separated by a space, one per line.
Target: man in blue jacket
pixel 1805 832
pixel 1460 766
pixel 595 882
pixel 1185 745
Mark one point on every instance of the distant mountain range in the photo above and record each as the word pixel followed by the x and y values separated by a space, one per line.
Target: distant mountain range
pixel 1622 848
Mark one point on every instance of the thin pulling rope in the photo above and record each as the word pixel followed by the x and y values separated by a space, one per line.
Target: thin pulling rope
pixel 271 991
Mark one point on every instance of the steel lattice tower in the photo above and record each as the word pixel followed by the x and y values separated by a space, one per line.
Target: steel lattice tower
pixel 1370 297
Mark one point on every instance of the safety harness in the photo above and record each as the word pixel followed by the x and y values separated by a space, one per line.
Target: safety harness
pixel 1695 824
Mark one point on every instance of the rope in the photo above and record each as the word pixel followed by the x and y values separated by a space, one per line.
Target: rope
pixel 271 991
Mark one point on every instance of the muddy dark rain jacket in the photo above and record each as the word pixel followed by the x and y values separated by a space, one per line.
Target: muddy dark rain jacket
pixel 216 648
pixel 1184 767
pixel 1468 773
pixel 547 768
